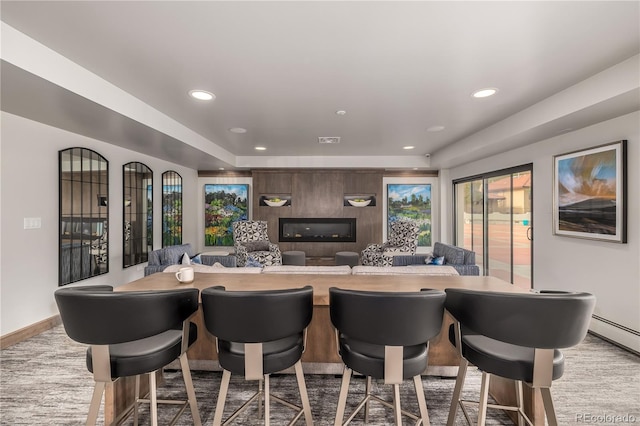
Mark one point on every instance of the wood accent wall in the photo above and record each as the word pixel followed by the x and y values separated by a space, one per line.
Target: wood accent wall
pixel 320 194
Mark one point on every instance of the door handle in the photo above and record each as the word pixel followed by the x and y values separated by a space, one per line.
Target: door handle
pixel 530 233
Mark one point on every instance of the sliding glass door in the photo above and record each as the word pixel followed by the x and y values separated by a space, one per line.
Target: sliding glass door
pixel 493 218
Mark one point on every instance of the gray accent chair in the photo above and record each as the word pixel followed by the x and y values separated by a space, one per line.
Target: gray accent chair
pixel 259 333
pixel 463 260
pixel 131 334
pixel 516 336
pixel 385 336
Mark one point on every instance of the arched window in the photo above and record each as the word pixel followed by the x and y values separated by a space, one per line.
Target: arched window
pixel 171 208
pixel 84 215
pixel 137 207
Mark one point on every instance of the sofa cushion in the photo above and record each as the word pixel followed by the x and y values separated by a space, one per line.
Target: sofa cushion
pixel 154 257
pixel 469 257
pixel 299 269
pixel 452 254
pixel 228 261
pixel 172 255
pixel 220 269
pixel 405 270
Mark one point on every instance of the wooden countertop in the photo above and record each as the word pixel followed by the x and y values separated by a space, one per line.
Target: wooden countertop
pixel 321 283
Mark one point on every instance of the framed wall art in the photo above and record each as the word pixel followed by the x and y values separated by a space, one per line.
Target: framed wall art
pixel 223 205
pixel 590 193
pixel 413 202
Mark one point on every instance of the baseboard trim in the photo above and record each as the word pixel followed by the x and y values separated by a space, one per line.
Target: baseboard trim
pixel 18 336
pixel 617 334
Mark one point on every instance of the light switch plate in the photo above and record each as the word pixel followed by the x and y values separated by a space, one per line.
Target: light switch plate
pixel 32 223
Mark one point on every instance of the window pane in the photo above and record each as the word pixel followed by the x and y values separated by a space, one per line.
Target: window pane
pixel 499 226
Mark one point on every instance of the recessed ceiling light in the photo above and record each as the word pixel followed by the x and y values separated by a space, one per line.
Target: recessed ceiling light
pixel 202 95
pixel 341 112
pixel 260 148
pixel 220 168
pixel 437 128
pixel 483 93
pixel 408 147
pixel 238 130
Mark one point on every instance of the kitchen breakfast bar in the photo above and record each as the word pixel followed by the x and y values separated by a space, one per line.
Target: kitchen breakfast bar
pixel 321 355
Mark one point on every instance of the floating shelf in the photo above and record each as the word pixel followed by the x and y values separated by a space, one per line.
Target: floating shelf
pixel 352 197
pixel 283 197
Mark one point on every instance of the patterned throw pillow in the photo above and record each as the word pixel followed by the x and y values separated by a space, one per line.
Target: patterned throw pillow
pixel 256 246
pixel 437 261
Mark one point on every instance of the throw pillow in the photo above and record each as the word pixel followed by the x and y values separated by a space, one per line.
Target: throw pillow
pixel 256 245
pixel 428 258
pixel 253 263
pixel 187 260
pixel 437 261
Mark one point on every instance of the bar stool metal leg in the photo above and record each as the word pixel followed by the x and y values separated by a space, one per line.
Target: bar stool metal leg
pixel 422 402
pixel 191 393
pixel 222 396
pixel 397 411
pixel 153 409
pixel 484 398
pixel 455 400
pixel 304 396
pixel 342 399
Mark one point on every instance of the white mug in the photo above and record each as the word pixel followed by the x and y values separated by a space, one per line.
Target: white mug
pixel 185 275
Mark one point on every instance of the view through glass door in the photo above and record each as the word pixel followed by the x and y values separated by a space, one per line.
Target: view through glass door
pixel 493 218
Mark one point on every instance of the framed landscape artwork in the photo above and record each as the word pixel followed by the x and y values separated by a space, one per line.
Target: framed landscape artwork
pixel 589 193
pixel 411 201
pixel 223 205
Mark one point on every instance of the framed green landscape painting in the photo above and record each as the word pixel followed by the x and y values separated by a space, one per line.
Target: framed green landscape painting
pixel 223 205
pixel 411 201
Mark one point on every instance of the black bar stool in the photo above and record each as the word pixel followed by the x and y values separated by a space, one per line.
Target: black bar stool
pixel 132 333
pixel 259 333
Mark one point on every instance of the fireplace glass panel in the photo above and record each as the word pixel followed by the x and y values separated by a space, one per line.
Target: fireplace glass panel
pixel 317 230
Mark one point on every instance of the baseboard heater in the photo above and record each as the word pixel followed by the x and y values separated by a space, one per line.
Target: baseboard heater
pixel 618 334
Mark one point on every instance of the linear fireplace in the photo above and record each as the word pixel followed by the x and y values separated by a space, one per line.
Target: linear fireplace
pixel 333 230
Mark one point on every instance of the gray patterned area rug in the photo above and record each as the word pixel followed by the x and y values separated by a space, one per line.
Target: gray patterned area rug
pixel 44 381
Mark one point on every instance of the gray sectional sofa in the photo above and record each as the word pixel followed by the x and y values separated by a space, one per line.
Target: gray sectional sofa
pixel 172 255
pixel 463 260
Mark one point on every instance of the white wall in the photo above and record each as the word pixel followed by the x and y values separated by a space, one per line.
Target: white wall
pixel 608 270
pixel 29 188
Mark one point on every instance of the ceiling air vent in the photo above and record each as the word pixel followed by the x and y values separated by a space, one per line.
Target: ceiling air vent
pixel 329 139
